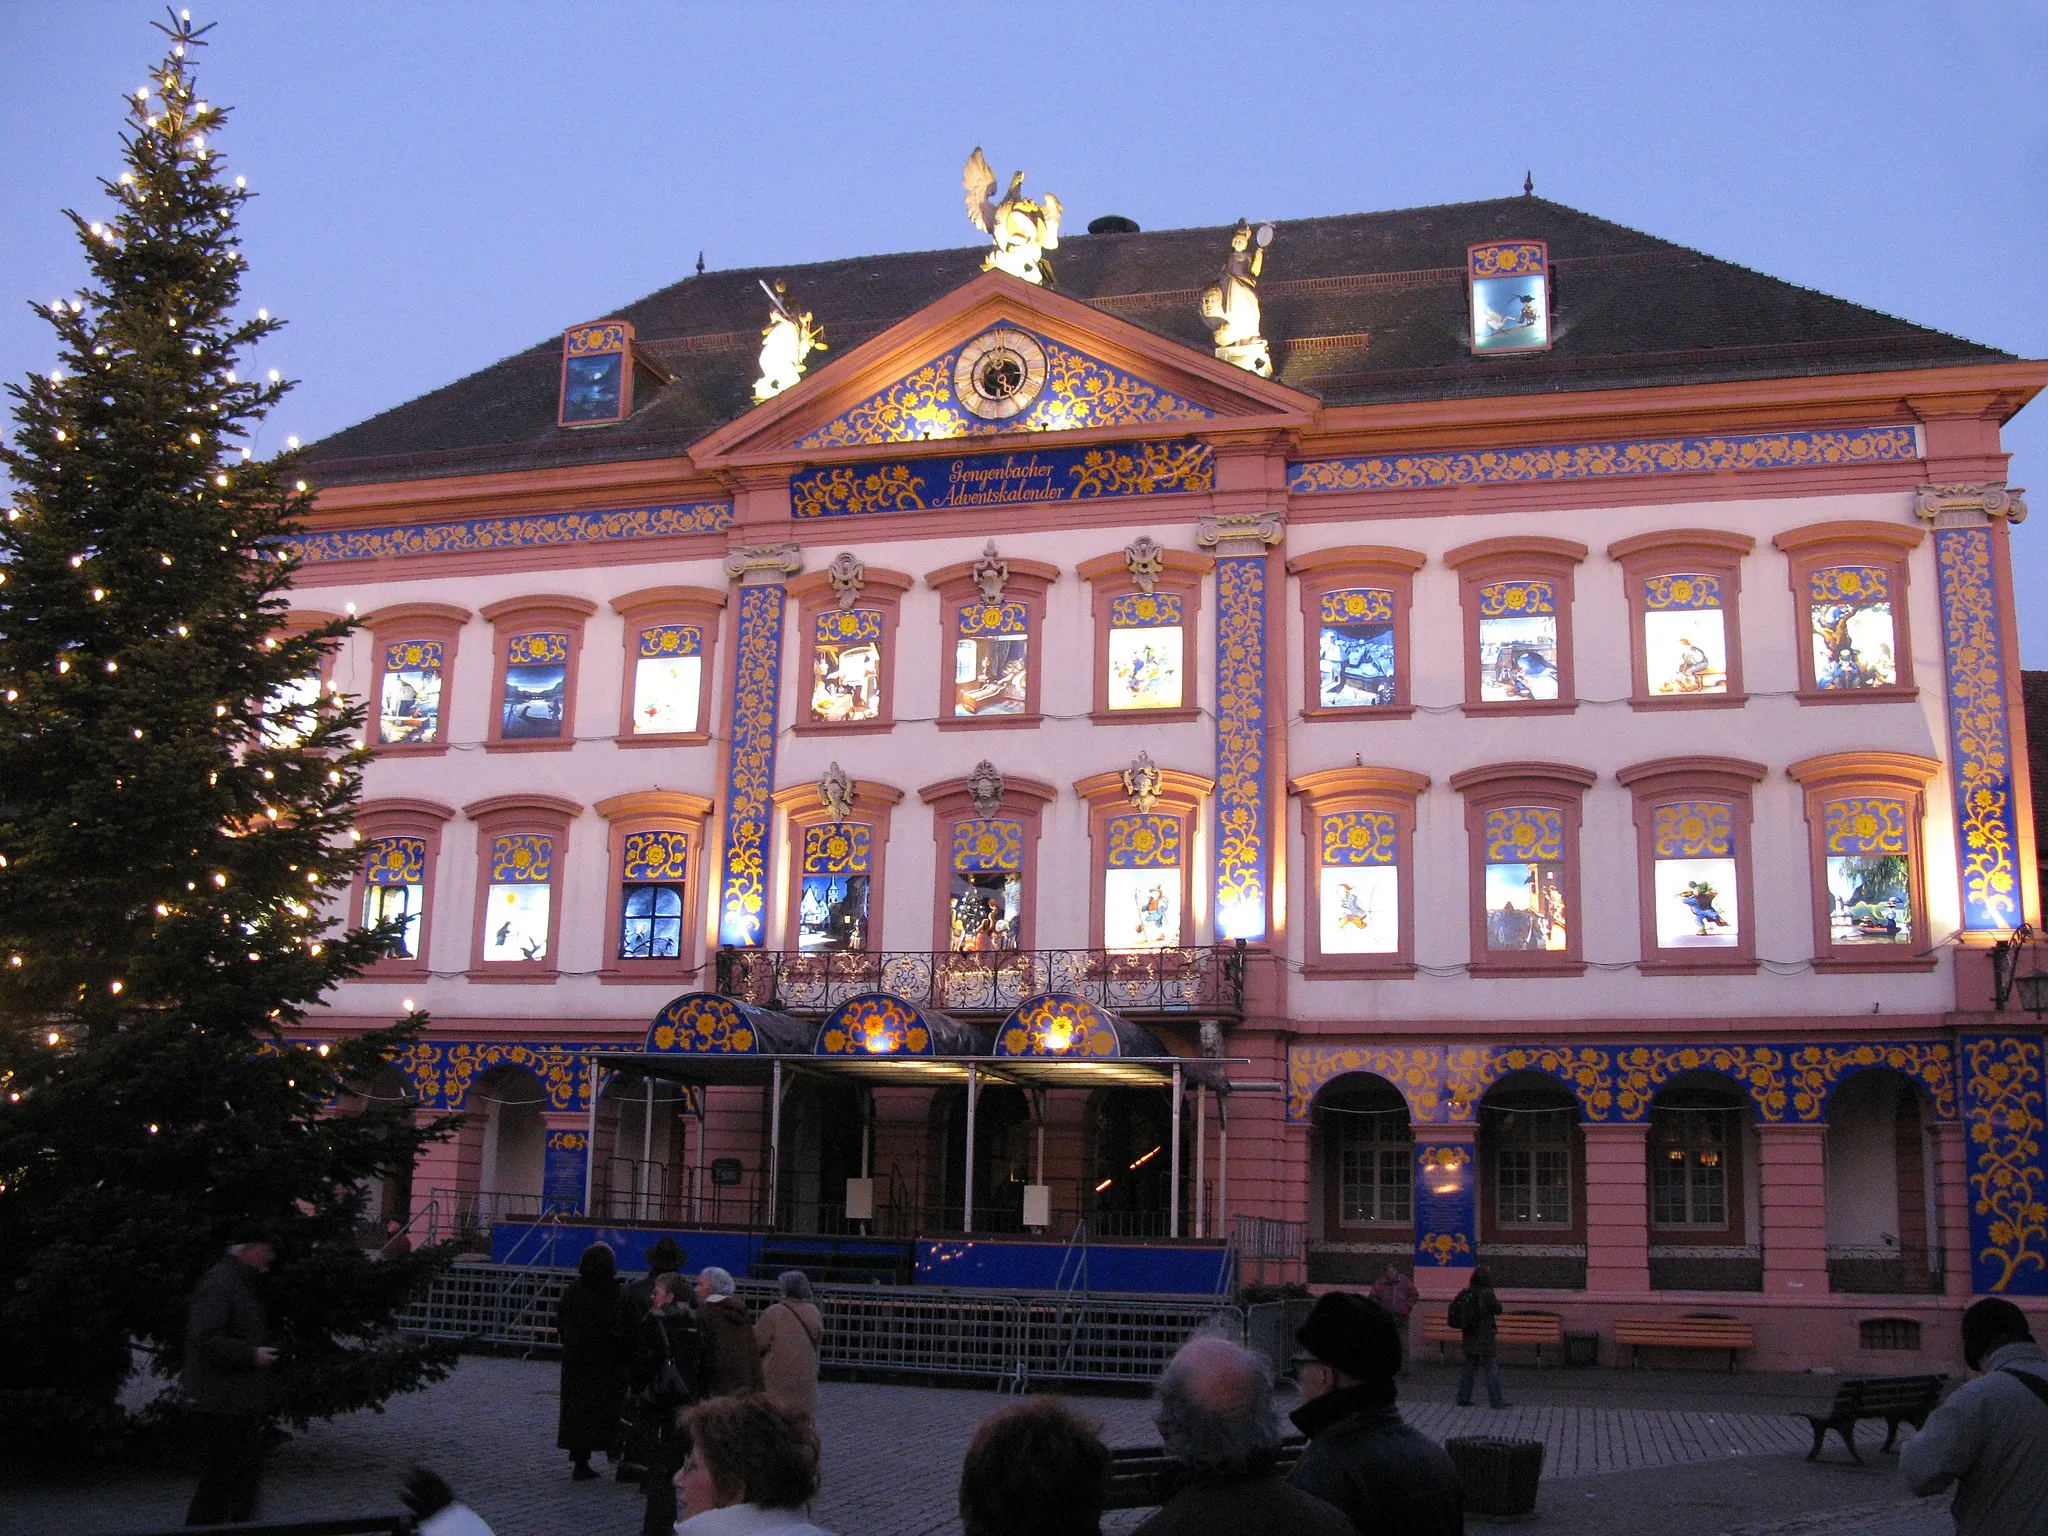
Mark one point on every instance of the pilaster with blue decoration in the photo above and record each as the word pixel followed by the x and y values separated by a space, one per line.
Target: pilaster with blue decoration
pixel 1447 1200
pixel 1243 819
pixel 565 1165
pixel 750 753
pixel 1977 674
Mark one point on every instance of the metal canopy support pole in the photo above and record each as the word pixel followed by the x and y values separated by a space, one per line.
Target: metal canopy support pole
pixel 1038 1161
pixel 646 1147
pixel 1201 1169
pixel 1223 1163
pixel 774 1145
pixel 967 1182
pixel 867 1129
pixel 1173 1211
pixel 590 1142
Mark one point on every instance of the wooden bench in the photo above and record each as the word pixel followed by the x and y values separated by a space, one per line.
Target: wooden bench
pixel 1895 1399
pixel 1533 1328
pixel 1143 1476
pixel 1729 1333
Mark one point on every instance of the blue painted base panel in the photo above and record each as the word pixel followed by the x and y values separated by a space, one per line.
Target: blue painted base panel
pixel 1161 1269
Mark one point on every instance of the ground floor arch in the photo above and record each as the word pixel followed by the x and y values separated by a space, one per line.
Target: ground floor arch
pixel 1883 1210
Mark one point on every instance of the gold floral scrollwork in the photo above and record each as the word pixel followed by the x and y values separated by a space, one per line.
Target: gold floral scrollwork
pixel 1813 1072
pixel 751 766
pixel 1416 1070
pixel 1758 1069
pixel 1980 734
pixel 1145 469
pixel 1588 1070
pixel 1440 1247
pixel 2003 1109
pixel 1241 747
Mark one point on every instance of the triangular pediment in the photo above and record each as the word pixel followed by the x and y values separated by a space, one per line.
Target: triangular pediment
pixel 1070 369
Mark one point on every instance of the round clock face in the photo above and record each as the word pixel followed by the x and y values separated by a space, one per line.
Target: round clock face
pixel 999 374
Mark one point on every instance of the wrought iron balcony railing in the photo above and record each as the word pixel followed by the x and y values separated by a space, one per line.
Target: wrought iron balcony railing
pixel 1205 982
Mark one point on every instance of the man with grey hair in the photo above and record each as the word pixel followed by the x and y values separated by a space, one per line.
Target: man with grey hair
pixel 1214 1409
pixel 729 1331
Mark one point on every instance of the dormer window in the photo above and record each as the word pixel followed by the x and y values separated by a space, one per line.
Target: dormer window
pixel 601 368
pixel 1510 284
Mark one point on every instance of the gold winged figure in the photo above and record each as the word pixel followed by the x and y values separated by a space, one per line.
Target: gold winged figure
pixel 1023 230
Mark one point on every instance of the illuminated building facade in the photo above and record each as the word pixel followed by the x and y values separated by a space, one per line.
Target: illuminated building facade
pixel 1558 737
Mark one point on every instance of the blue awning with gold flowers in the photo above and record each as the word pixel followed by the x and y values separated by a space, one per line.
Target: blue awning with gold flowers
pixel 708 1024
pixel 882 1024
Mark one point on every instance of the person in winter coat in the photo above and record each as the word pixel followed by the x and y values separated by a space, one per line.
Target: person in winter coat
pixel 1472 1313
pixel 1036 1468
pixel 667 1336
pixel 750 1470
pixel 734 1364
pixel 1396 1292
pixel 788 1336
pixel 664 1257
pixel 227 1380
pixel 1361 1456
pixel 1215 1416
pixel 1990 1439
pixel 593 1361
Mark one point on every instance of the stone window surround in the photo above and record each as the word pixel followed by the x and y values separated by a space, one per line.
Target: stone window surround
pixel 881 590
pixel 413 621
pixel 1109 577
pixel 1557 786
pixel 1027 584
pixel 512 616
pixel 1890 775
pixel 401 817
pixel 1024 800
pixel 698 607
pixel 1181 796
pixel 1528 557
pixel 1333 791
pixel 801 810
pixel 545 815
pixel 1333 570
pixel 1678 551
pixel 1660 782
pixel 1819 545
pixel 653 810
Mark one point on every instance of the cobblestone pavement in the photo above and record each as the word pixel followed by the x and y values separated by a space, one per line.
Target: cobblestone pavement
pixel 892 1458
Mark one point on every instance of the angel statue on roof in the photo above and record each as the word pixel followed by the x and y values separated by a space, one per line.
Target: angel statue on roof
pixel 790 337
pixel 1023 230
pixel 1230 305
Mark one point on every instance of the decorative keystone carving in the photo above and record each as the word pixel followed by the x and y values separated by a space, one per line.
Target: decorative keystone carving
pixel 1141 782
pixel 1212 1039
pixel 985 788
pixel 1993 498
pixel 751 565
pixel 1268 528
pixel 991 573
pixel 1145 558
pixel 847 576
pixel 835 793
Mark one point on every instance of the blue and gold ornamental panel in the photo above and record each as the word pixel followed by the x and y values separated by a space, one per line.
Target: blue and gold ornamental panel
pixel 2004 1114
pixel 1979 731
pixel 1446 1206
pixel 1175 466
pixel 750 768
pixel 1241 856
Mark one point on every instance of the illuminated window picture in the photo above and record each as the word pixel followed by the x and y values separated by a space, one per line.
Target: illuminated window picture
pixel 516 904
pixel 1145 662
pixel 1356 649
pixel 289 711
pixel 650 922
pixel 1692 845
pixel 1696 904
pixel 593 387
pixel 833 913
pixel 516 923
pixel 536 687
pixel 1850 613
pixel 1685 647
pixel 1510 296
pixel 990 675
pixel 1525 907
pixel 1141 909
pixel 1517 642
pixel 667 679
pixel 399 904
pixel 986 910
pixel 846 665
pixel 409 708
pixel 394 876
pixel 1870 899
pixel 1361 910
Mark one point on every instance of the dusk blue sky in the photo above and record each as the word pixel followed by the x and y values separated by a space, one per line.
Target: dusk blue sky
pixel 446 183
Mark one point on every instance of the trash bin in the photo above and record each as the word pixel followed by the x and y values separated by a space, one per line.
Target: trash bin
pixel 1500 1476
pixel 1581 1350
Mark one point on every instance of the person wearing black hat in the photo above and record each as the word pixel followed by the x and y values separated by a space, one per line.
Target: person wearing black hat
pixel 1990 1438
pixel 227 1381
pixel 664 1257
pixel 1362 1456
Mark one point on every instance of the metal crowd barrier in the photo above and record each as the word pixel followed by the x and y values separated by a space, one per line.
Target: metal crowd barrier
pixel 1013 1338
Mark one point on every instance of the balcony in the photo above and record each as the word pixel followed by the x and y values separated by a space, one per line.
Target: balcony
pixel 1885 1269
pixel 1141 985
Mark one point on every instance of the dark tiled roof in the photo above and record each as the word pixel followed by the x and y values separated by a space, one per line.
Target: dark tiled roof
pixel 1361 308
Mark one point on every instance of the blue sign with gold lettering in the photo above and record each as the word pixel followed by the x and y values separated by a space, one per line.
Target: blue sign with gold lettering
pixel 1171 467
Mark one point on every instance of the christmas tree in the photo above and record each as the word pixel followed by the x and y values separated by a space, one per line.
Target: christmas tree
pixel 174 839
